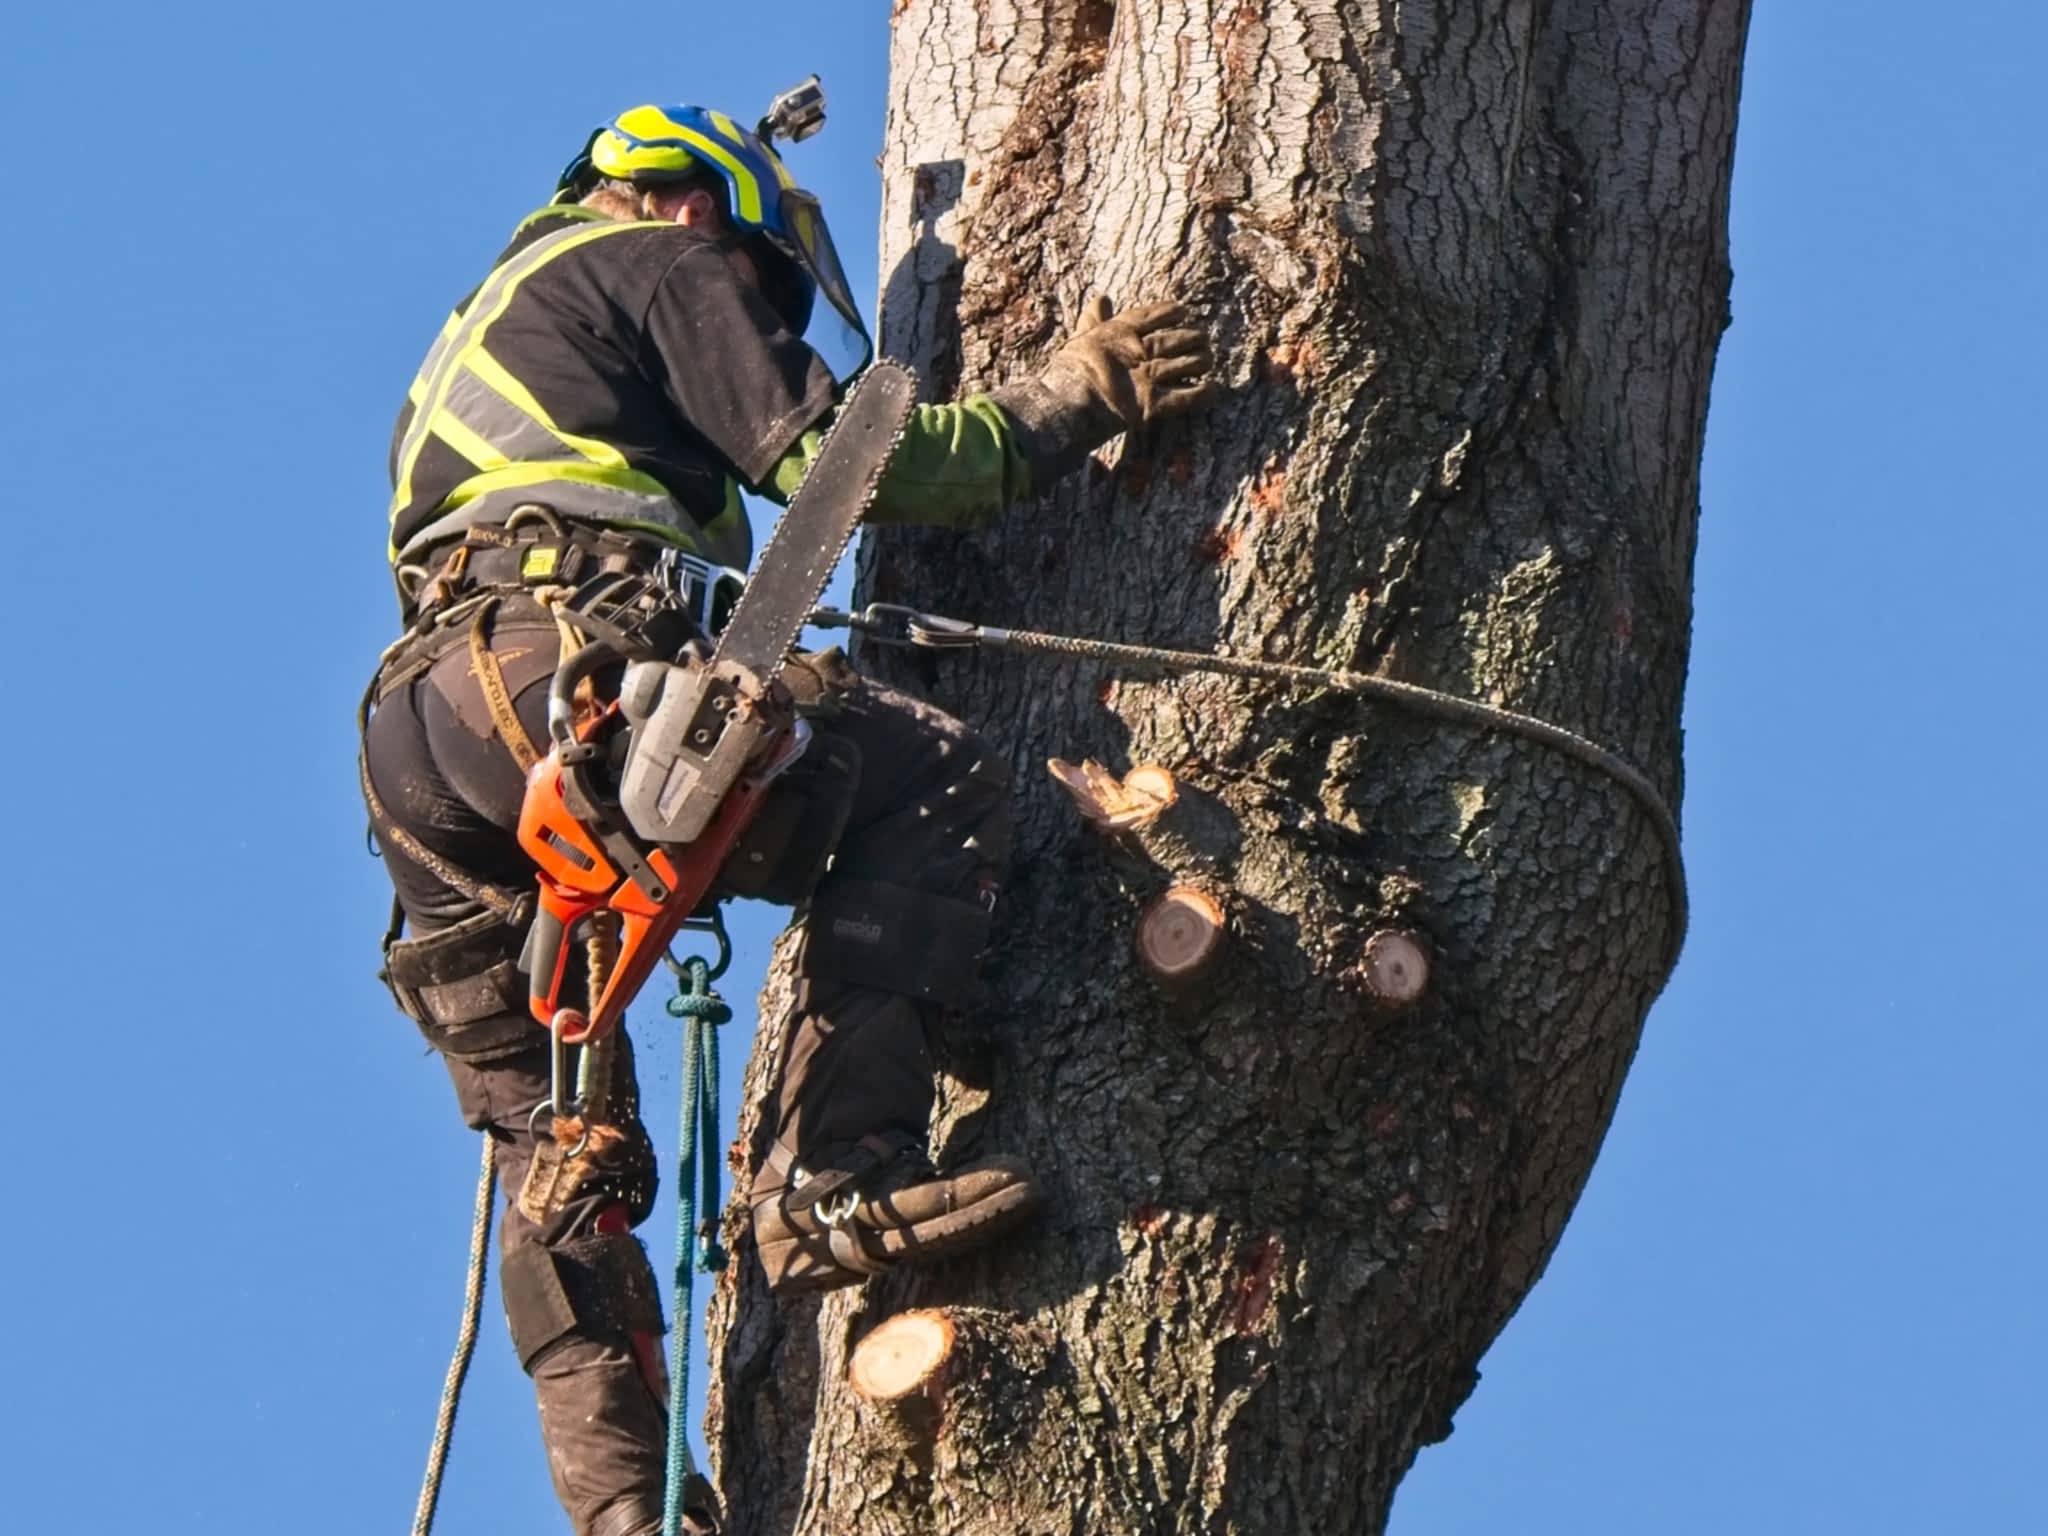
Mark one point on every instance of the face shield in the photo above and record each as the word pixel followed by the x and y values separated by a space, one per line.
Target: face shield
pixel 835 330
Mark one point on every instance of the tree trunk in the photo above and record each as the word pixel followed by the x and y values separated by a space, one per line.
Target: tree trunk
pixel 1467 269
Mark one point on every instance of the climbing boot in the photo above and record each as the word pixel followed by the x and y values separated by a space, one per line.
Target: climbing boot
pixel 643 1516
pixel 700 1507
pixel 887 1205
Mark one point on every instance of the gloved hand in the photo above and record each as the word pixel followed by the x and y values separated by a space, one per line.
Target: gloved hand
pixel 1133 368
pixel 1118 371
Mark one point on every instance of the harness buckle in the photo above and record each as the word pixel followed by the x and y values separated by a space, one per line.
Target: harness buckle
pixel 833 1210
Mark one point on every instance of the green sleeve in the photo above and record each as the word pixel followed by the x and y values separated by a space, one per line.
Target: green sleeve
pixel 959 465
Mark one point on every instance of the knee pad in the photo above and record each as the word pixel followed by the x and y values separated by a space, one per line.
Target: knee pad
pixel 867 933
pixel 951 834
pixel 599 1286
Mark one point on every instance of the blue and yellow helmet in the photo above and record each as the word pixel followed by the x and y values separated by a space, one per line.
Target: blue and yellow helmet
pixel 649 145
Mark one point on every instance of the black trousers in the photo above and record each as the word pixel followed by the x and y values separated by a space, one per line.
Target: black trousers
pixel 926 830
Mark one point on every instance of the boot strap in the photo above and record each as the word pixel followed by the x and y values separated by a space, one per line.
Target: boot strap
pixel 848 1252
pixel 805 1188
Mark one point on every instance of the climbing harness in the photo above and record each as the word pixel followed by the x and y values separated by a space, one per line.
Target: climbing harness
pixel 895 624
pixel 701 1011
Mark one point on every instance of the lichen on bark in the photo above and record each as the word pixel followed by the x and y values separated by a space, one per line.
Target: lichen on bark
pixel 1467 270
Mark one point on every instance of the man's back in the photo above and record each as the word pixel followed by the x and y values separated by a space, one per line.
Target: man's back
pixel 632 358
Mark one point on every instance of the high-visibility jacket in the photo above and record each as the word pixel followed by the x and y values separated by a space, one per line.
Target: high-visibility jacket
pixel 621 373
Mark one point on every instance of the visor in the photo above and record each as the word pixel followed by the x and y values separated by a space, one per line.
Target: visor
pixel 785 284
pixel 836 331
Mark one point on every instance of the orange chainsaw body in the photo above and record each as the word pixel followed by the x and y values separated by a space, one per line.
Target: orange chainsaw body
pixel 580 875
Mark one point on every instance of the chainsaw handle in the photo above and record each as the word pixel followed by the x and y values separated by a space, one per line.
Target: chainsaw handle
pixel 546 956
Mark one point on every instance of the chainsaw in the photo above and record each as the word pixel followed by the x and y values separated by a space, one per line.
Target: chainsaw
pixel 635 811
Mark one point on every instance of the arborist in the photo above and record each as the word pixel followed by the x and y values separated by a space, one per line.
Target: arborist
pixel 571 459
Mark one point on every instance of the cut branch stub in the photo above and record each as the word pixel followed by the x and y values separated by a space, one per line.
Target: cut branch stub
pixel 1396 968
pixel 903 1358
pixel 968 1372
pixel 1180 935
pixel 1138 799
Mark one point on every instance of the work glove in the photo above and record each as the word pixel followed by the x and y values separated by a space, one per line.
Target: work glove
pixel 1132 369
pixel 1117 372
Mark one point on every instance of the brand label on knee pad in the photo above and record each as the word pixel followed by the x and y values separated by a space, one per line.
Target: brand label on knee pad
pixel 868 933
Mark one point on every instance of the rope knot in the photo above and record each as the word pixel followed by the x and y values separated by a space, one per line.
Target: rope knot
pixel 706 1006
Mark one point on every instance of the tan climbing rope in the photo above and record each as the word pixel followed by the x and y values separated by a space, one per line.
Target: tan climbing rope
pixel 465 1339
pixel 893 624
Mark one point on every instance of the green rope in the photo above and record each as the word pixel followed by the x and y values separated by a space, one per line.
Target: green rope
pixel 702 1010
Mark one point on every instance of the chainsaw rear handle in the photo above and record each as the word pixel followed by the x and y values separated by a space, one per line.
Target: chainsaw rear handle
pixel 545 959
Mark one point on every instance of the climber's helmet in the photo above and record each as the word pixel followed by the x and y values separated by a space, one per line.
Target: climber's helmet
pixel 781 225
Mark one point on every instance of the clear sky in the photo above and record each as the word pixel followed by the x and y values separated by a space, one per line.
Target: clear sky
pixel 1802 1292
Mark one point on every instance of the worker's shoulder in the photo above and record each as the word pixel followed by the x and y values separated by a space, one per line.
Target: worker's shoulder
pixel 644 246
pixel 648 267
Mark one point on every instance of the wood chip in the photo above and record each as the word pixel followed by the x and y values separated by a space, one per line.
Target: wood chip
pixel 1138 799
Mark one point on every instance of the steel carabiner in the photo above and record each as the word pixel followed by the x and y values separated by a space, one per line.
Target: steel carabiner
pixel 562 1102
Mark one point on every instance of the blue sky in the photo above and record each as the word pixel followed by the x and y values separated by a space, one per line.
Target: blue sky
pixel 1800 1295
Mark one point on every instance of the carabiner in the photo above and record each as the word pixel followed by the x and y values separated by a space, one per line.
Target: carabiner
pixel 935 632
pixel 561 1104
pixel 713 925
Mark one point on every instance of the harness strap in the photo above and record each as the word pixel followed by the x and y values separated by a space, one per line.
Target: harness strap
pixel 496 897
pixel 851 1254
pixel 491 679
pixel 806 1186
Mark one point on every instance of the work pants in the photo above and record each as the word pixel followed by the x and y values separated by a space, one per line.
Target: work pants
pixel 926 834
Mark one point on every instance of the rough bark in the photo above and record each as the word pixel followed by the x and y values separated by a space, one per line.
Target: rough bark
pixel 1467 267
